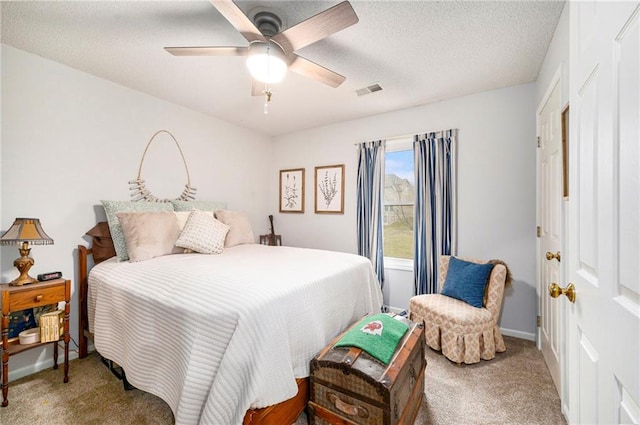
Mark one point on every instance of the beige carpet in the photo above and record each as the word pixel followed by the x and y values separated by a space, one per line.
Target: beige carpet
pixel 513 388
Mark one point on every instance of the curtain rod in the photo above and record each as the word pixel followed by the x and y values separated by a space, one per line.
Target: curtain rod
pixel 409 135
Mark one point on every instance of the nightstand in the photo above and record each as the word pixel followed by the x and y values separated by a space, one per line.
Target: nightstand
pixel 17 298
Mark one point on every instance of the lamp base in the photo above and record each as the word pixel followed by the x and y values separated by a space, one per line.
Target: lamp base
pixel 22 281
pixel 23 264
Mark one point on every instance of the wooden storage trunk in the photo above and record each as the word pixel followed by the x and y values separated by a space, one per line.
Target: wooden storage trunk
pixel 347 386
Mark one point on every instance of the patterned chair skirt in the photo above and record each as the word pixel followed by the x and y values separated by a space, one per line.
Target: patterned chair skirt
pixel 463 333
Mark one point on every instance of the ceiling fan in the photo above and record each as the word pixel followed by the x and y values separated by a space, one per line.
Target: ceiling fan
pixel 271 50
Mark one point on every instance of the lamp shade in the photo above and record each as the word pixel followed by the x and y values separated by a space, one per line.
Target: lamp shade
pixel 25 230
pixel 266 62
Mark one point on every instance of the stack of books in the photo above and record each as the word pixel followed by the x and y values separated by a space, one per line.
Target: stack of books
pixel 51 326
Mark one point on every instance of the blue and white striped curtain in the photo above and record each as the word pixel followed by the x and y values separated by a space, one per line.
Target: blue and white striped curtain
pixel 435 205
pixel 370 192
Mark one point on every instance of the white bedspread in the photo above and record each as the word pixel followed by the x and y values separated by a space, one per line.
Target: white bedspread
pixel 213 335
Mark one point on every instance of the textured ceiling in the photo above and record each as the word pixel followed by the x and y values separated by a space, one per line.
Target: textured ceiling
pixel 418 51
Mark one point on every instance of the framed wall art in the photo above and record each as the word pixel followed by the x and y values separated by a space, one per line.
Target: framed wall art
pixel 329 189
pixel 292 190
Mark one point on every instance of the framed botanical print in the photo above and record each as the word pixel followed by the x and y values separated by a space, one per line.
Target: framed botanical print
pixel 329 189
pixel 292 190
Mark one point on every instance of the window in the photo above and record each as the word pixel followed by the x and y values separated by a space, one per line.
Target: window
pixel 399 197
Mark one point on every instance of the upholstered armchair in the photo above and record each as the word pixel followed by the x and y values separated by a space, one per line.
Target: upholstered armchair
pixel 462 332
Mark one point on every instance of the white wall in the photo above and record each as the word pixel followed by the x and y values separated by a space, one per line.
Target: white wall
pixel 496 186
pixel 557 57
pixel 70 139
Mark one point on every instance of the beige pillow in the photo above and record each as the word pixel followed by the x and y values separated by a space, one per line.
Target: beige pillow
pixel 240 228
pixel 202 233
pixel 111 208
pixel 149 234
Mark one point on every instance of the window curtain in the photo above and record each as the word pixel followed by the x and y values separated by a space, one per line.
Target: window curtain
pixel 435 205
pixel 370 192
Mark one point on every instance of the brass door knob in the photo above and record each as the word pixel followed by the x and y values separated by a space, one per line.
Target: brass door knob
pixel 550 256
pixel 570 291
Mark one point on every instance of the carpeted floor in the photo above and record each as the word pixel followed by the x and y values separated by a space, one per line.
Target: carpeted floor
pixel 513 388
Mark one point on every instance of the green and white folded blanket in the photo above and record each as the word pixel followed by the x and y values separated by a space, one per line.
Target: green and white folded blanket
pixel 378 335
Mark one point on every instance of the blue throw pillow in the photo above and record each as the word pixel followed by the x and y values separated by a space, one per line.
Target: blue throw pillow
pixel 466 281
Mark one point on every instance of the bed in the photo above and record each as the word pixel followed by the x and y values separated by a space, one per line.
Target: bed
pixel 227 338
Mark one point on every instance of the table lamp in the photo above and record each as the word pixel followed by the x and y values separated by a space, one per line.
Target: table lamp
pixel 22 232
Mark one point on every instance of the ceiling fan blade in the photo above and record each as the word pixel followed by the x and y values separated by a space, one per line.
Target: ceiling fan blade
pixel 317 27
pixel 238 19
pixel 317 72
pixel 207 51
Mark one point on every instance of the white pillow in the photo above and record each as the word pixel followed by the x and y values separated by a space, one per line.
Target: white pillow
pixel 202 233
pixel 240 228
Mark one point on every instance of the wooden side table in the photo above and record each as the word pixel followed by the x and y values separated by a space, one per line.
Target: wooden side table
pixel 17 298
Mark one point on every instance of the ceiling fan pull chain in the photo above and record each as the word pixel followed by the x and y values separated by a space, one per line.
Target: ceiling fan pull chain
pixel 267 98
pixel 267 94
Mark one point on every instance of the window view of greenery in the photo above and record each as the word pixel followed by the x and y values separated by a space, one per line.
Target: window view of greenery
pixel 399 195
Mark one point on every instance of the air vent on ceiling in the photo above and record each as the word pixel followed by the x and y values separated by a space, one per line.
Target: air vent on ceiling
pixel 369 89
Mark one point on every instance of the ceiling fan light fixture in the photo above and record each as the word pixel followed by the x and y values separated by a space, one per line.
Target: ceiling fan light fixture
pixel 266 62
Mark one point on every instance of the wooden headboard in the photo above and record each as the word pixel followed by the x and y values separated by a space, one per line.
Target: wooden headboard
pixel 83 273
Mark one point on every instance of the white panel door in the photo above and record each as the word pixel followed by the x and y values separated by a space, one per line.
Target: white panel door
pixel 550 219
pixel 603 354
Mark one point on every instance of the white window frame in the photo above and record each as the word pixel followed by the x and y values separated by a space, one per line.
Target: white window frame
pixel 396 145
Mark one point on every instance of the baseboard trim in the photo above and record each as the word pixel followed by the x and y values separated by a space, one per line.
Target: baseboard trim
pixel 518 334
pixel 47 363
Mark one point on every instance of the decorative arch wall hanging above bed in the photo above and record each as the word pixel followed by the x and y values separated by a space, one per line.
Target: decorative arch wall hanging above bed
pixel 141 193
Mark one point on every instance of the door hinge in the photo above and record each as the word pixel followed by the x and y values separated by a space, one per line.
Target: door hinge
pixel 538 141
pixel 538 320
pixel 538 231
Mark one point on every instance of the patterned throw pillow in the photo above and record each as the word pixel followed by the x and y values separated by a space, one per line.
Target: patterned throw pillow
pixel 202 233
pixel 111 208
pixel 182 217
pixel 466 281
